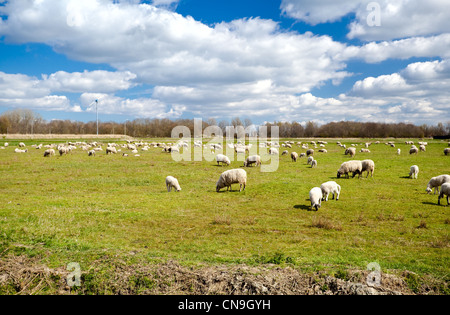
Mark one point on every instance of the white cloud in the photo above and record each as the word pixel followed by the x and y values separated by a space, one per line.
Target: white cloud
pixel 89 81
pixel 318 11
pixel 398 19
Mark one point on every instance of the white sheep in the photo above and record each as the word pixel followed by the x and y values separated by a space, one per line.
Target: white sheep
pixel 399 151
pixel 422 148
pixel 285 152
pixel 310 152
pixel 294 156
pixel 445 190
pixel 310 159
pixel 447 151
pixel 220 158
pixel 172 182
pixel 22 145
pixel 437 181
pixel 413 150
pixel 315 196
pixel 273 151
pixel 252 159
pixel 49 152
pixel 364 150
pixel 20 151
pixel 414 171
pixel 353 166
pixel 313 163
pixel 91 153
pixel 368 166
pixel 234 176
pixel 350 151
pixel 111 150
pixel 330 187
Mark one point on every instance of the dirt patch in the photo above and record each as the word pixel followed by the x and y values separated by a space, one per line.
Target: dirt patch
pixel 21 275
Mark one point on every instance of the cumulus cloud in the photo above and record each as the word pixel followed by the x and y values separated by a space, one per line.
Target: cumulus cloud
pixel 89 81
pixel 398 19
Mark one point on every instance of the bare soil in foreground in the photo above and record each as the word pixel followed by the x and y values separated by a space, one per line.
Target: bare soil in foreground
pixel 24 276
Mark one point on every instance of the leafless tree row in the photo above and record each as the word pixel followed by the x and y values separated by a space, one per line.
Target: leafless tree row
pixel 24 121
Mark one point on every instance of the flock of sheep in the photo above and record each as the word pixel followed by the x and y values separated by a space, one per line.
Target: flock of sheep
pixel 239 176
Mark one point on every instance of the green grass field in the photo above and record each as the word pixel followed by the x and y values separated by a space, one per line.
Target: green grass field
pixel 76 208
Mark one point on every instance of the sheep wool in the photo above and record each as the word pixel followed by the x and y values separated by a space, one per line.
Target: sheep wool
pixel 294 156
pixel 234 176
pixel 172 182
pixel 352 166
pixel 445 190
pixel 414 171
pixel 330 187
pixel 315 196
pixel 221 158
pixel 252 159
pixel 368 166
pixel 436 182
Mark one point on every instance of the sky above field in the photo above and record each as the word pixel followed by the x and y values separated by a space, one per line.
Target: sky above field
pixel 266 60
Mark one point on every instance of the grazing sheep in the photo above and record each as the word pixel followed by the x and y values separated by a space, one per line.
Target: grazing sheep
pixel 20 151
pixel 91 153
pixel 350 151
pixel 252 159
pixel 273 151
pixel 413 150
pixel 422 148
pixel 310 159
pixel 294 156
pixel 124 154
pixel 445 190
pixel 365 150
pixel 414 171
pixel 49 152
pixel 437 181
pixel 352 166
pixel 220 158
pixel 310 152
pixel 315 196
pixel 313 163
pixel 234 176
pixel 63 150
pixel 22 145
pixel 399 151
pixel 172 182
pixel 368 166
pixel 447 151
pixel 285 152
pixel 323 151
pixel 111 150
pixel 302 155
pixel 330 187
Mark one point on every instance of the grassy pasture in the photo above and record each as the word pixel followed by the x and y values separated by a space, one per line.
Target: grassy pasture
pixel 77 208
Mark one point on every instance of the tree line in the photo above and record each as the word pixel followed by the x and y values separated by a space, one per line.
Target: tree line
pixel 24 121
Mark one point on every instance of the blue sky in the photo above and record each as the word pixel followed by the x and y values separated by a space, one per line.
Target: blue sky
pixel 265 60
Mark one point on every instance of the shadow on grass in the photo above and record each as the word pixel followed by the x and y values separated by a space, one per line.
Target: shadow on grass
pixel 303 207
pixel 406 177
pixel 431 203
